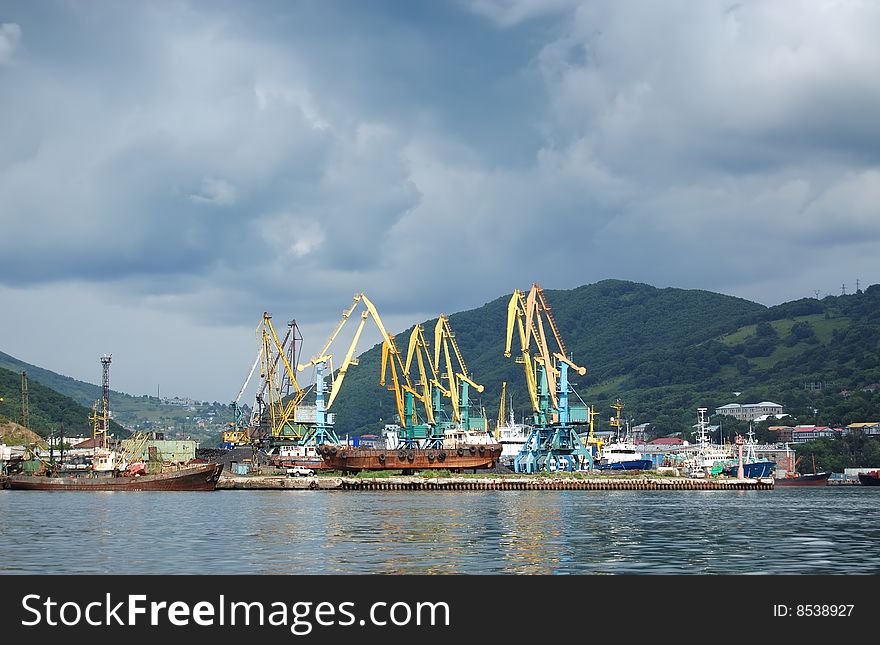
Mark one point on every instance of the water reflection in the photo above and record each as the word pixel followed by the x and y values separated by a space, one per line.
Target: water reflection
pixel 825 530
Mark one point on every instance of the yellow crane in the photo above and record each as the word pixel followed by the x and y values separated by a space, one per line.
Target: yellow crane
pixel 553 443
pixel 526 314
pixel 429 386
pixel 392 364
pixel 458 381
pixel 276 413
pixel 591 441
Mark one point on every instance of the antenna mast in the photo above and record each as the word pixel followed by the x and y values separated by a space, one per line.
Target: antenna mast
pixel 105 396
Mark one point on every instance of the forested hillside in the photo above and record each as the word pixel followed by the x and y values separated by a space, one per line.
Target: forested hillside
pixel 47 409
pixel 666 352
pixel 607 327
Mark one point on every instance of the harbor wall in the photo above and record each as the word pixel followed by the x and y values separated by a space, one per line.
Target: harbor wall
pixel 486 483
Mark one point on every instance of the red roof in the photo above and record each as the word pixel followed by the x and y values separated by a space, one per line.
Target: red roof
pixel 667 441
pixel 815 429
pixel 90 443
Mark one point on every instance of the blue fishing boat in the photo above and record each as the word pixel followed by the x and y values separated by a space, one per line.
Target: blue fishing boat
pixel 630 464
pixel 753 468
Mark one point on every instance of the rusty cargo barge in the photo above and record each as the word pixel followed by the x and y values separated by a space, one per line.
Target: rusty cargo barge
pixel 462 457
pixel 200 477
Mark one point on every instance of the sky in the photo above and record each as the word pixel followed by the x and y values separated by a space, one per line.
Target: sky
pixel 171 170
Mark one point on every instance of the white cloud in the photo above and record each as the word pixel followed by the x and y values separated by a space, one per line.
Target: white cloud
pixel 512 12
pixel 10 36
pixel 216 191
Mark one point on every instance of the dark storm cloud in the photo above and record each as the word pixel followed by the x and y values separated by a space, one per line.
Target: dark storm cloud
pixel 217 159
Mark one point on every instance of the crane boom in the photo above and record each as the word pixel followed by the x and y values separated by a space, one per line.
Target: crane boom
pixel 249 376
pixel 516 313
pixel 577 368
pixel 418 347
pixel 444 338
pixel 527 313
pixel 349 360
pixel 391 360
pixel 550 319
pixel 321 354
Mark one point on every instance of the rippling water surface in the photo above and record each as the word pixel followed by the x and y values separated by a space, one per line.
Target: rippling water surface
pixel 832 530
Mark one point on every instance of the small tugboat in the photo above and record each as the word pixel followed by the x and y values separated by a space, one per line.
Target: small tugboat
pixel 871 478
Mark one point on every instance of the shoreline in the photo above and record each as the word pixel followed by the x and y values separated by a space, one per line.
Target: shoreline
pixel 525 482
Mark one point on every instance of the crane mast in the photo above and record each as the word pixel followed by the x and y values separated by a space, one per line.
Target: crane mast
pixel 500 421
pixel 459 380
pixel 553 443
pixel 276 413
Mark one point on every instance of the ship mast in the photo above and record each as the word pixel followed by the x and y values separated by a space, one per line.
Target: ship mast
pixel 702 429
pixel 751 443
pixel 615 420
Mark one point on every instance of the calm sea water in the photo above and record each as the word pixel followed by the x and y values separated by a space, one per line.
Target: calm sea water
pixel 831 530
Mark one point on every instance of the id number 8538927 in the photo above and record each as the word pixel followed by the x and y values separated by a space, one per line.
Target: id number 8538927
pixel 814 610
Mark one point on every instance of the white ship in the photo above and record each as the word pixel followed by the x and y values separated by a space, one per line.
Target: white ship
pixel 512 436
pixel 706 457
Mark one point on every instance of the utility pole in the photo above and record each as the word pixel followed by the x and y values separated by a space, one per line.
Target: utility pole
pixel 25 411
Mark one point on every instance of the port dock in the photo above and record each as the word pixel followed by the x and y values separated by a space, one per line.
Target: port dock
pixel 414 483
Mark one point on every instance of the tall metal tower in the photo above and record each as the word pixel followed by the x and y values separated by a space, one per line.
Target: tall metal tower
pixel 292 350
pixel 25 411
pixel 105 395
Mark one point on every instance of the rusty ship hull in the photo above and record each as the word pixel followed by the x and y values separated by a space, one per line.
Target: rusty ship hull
pixel 202 477
pixel 352 458
pixel 810 479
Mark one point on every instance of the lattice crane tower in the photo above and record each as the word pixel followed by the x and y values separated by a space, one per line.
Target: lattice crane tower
pixel 105 395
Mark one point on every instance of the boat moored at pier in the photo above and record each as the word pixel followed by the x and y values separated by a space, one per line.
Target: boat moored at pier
pixel 463 456
pixel 197 477
pixel 871 478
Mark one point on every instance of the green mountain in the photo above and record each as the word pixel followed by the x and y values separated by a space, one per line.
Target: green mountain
pixel 665 353
pixel 608 327
pixel 47 409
